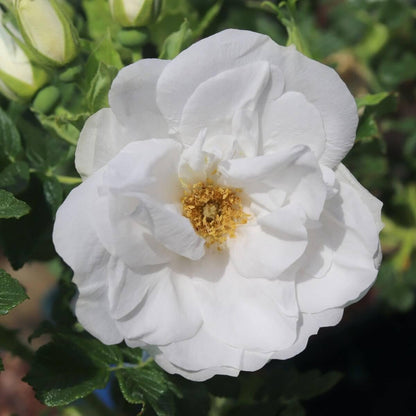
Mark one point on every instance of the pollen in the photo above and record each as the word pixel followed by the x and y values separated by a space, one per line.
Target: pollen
pixel 214 211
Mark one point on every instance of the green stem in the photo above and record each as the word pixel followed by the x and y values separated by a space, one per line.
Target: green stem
pixel 68 180
pixel 123 366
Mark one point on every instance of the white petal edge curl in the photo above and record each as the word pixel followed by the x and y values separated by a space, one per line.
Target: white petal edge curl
pixel 169 311
pixel 132 98
pixel 126 239
pixel 146 166
pixel 205 59
pixel 137 205
pixel 267 308
pixel 218 101
pixel 266 253
pixel 373 204
pixel 101 138
pixel 353 236
pixel 73 235
pixel 309 324
pixel 322 87
pixel 92 307
pixel 204 351
pixel 320 84
pixel 294 171
pixel 170 228
pixel 201 375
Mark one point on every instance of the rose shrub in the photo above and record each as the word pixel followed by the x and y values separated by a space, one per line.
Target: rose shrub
pixel 215 226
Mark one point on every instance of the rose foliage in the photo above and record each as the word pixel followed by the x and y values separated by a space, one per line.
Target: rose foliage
pixel 216 227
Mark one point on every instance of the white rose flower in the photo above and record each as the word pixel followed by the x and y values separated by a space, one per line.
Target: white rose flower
pixel 215 226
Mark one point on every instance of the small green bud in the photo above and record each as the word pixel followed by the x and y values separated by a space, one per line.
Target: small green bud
pixel 46 99
pixel 47 29
pixel 132 13
pixel 71 73
pixel 131 38
pixel 19 78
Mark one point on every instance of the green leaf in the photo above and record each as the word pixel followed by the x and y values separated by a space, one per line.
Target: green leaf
pixel 398 70
pixel 29 237
pixel 44 151
pixel 103 355
pixel 99 18
pixel 15 177
pixel 62 373
pixel 10 207
pixel 367 128
pixel 9 341
pixel 45 327
pixel 371 99
pixel 11 292
pixel 177 41
pixel 10 144
pixel 208 18
pixel 132 355
pixel 171 16
pixel 60 126
pixel 97 95
pixel 53 193
pixel 397 288
pixel 376 37
pixel 105 52
pixel 148 384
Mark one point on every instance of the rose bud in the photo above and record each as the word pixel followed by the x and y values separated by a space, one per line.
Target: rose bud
pixel 47 29
pixel 19 78
pixel 131 13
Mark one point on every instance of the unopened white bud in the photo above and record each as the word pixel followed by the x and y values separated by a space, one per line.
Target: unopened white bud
pixel 19 78
pixel 47 29
pixel 131 13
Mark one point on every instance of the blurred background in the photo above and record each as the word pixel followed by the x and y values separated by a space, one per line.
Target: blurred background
pixel 364 366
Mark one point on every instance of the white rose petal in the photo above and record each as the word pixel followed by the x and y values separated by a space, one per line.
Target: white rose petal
pixel 216 227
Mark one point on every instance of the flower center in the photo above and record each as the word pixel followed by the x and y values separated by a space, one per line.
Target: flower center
pixel 214 211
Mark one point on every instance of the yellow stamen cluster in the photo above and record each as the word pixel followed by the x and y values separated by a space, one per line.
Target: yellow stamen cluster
pixel 214 211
